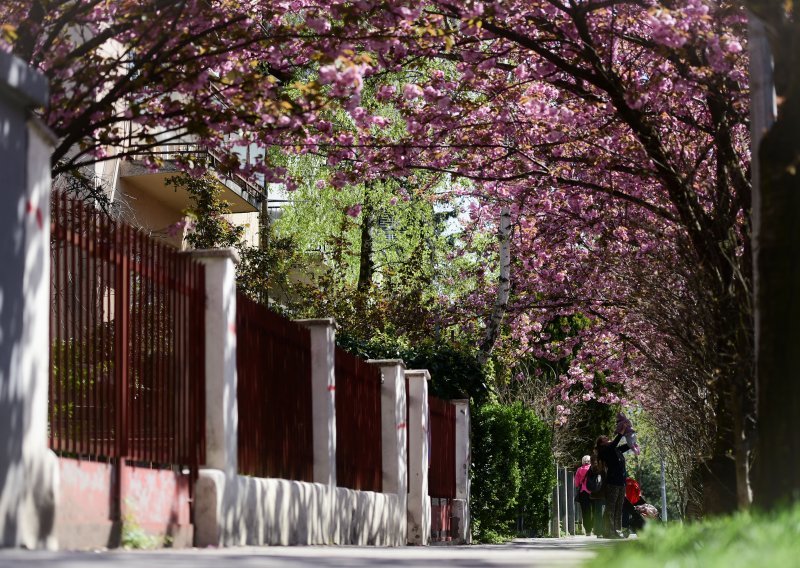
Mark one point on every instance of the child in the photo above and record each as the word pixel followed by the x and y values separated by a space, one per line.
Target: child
pixel 625 428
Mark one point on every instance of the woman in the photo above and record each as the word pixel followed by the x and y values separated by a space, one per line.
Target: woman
pixel 610 452
pixel 583 496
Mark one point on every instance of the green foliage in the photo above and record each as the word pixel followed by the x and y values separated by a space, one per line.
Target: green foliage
pixel 76 366
pixel 537 472
pixel 211 229
pixel 646 469
pixel 455 371
pixel 496 479
pixel 742 540
pixel 134 536
pixel 264 271
pixel 512 471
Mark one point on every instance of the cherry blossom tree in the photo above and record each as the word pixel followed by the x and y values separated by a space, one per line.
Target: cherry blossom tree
pixel 126 77
pixel 606 141
pixel 616 134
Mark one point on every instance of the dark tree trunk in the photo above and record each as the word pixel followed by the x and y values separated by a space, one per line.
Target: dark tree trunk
pixel 719 486
pixel 366 264
pixel 778 446
pixel 777 253
pixel 717 472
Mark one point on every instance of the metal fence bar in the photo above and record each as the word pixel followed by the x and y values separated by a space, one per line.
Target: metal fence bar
pixel 72 318
pixel 358 423
pixel 274 394
pixel 127 342
pixel 198 343
pixel 442 474
pixel 105 315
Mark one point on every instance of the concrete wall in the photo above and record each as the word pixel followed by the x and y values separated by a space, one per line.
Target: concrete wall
pixel 85 505
pixel 256 511
pixel 141 210
pixel 250 223
pixel 154 500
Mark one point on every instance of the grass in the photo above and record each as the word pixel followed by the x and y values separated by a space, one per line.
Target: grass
pixel 136 538
pixel 741 540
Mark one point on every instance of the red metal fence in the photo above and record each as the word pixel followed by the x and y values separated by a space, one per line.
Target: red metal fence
pixel 273 358
pixel 128 342
pixel 358 423
pixel 442 473
pixel 442 520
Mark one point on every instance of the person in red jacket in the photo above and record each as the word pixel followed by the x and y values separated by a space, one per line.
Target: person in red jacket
pixel 583 497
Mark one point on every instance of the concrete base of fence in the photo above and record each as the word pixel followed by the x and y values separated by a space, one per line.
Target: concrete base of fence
pixel 210 526
pixel 254 512
pixel 243 511
pixel 365 518
pixel 460 522
pixel 155 506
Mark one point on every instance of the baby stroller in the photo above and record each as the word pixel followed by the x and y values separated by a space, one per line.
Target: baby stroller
pixel 635 510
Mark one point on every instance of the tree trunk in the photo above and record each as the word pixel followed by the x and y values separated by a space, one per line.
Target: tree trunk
pixel 778 301
pixel 741 407
pixel 777 261
pixel 503 288
pixel 366 264
pixel 718 472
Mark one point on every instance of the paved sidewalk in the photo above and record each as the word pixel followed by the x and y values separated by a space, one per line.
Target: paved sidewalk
pixel 564 552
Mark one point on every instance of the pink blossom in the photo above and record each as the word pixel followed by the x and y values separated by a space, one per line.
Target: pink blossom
pixel 412 91
pixel 319 25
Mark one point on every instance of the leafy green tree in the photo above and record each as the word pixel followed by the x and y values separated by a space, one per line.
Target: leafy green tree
pixel 209 228
pixel 513 473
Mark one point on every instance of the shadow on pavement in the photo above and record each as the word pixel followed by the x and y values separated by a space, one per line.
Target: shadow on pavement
pixel 522 552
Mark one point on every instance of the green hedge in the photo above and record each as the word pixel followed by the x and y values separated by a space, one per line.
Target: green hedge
pixel 512 472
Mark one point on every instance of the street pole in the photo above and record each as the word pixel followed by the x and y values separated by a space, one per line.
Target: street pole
pixel 663 490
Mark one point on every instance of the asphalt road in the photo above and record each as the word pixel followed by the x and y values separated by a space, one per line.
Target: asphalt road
pixel 523 552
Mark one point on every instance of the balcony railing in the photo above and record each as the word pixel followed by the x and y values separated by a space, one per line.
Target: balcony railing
pixel 180 151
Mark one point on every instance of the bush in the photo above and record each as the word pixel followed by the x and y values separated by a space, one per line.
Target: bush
pixel 455 371
pixel 743 539
pixel 536 470
pixel 512 471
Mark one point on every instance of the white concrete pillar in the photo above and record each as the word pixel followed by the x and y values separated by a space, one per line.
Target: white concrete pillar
pixel 323 407
pixel 463 462
pixel 419 503
pixel 394 431
pixel 323 397
pixel 222 414
pixel 28 470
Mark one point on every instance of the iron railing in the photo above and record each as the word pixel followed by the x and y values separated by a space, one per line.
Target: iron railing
pixel 358 423
pixel 273 358
pixel 442 472
pixel 182 151
pixel 127 372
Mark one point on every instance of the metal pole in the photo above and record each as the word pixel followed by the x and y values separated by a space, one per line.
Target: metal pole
pixel 566 503
pixel 570 492
pixel 556 513
pixel 663 491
